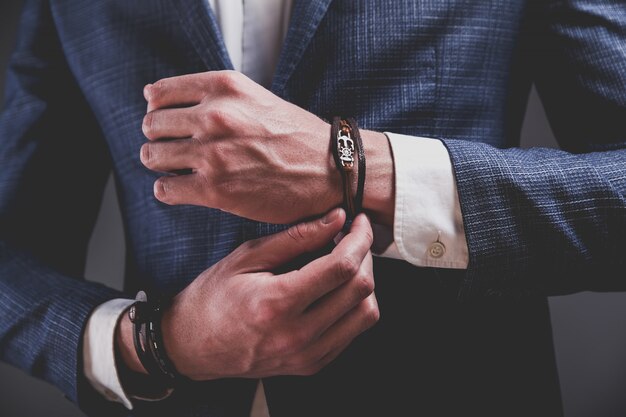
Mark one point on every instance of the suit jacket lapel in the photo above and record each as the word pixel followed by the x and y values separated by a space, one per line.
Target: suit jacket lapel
pixel 305 18
pixel 198 21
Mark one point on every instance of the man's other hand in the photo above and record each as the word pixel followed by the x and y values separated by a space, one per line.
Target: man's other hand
pixel 246 151
pixel 238 319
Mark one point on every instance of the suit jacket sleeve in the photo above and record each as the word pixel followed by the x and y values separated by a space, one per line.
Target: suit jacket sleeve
pixel 547 220
pixel 54 164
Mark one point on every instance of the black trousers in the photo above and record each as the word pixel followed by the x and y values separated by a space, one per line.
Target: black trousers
pixel 431 355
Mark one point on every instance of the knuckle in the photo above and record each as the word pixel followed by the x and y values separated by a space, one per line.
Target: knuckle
pixel 299 340
pixel 287 344
pixel 215 118
pixel 209 182
pixel 157 91
pixel 248 245
pixel 197 145
pixel 205 119
pixel 298 232
pixel 265 313
pixel 270 311
pixel 309 358
pixel 242 251
pixel 372 314
pixel 253 246
pixel 230 81
pixel 282 289
pixel 280 346
pixel 364 285
pixel 347 267
pixel 219 159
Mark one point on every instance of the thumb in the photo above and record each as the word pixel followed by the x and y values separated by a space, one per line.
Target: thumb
pixel 270 252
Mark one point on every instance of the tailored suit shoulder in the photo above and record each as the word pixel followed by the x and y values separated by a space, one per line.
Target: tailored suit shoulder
pixel 538 222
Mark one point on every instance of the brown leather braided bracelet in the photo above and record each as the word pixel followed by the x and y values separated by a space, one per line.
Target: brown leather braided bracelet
pixel 347 145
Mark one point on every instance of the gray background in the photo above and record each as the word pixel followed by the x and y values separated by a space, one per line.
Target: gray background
pixel 589 328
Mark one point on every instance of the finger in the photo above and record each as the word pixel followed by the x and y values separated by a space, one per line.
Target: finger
pixel 270 252
pixel 339 302
pixel 356 321
pixel 179 189
pixel 359 239
pixel 326 273
pixel 338 337
pixel 178 91
pixel 191 89
pixel 170 123
pixel 171 155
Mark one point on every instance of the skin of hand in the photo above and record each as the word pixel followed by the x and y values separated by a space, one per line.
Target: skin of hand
pixel 238 319
pixel 251 153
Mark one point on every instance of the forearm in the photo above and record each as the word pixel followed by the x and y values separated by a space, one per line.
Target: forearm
pixel 45 312
pixel 542 220
pixel 134 378
pixel 51 181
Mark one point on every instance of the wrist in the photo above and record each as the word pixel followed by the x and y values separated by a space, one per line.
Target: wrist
pixel 334 195
pixel 125 345
pixel 170 332
pixel 379 192
pixel 133 376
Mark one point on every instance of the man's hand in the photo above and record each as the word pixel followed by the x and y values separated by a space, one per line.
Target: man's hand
pixel 246 151
pixel 238 319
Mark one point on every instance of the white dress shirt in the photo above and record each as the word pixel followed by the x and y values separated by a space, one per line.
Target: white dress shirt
pixel 427 230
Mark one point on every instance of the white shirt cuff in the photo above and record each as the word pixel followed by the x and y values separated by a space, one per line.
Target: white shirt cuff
pixel 99 350
pixel 428 226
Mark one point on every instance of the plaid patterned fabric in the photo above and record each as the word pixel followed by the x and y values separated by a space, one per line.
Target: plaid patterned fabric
pixel 537 221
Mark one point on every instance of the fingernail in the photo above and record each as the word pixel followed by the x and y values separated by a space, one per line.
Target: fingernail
pixel 146 91
pixel 331 216
pixel 160 189
pixel 339 237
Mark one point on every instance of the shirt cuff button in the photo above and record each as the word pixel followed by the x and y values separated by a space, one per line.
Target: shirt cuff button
pixel 436 250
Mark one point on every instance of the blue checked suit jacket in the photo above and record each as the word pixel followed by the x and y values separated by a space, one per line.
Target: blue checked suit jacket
pixel 538 221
